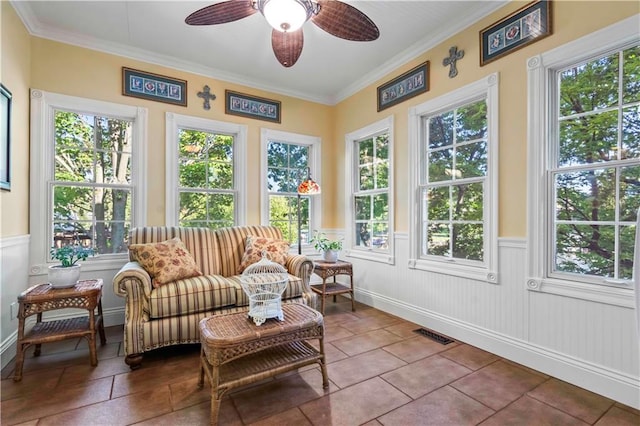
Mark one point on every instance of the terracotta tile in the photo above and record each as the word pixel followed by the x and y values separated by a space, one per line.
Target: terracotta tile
pixel 332 353
pixel 29 423
pixel 30 385
pixel 369 323
pixel 114 334
pixel 362 367
pixel 424 376
pixel 47 403
pixel 571 399
pixel 627 408
pixel 118 411
pixel 365 342
pixel 335 332
pixel 199 414
pixel 337 318
pixel 356 404
pixel 498 384
pixel 528 411
pixel 373 422
pixel 445 406
pixel 416 348
pixel 524 367
pixel 259 402
pixel 290 417
pixel 618 417
pixel 470 356
pixel 404 329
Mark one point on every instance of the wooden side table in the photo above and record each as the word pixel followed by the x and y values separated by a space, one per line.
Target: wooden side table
pixel 331 269
pixel 43 297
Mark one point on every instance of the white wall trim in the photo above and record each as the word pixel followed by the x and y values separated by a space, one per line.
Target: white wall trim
pixel 610 383
pixel 17 240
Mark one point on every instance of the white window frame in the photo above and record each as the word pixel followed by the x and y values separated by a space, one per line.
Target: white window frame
pixel 486 88
pixel 541 91
pixel 386 256
pixel 43 107
pixel 314 144
pixel 174 122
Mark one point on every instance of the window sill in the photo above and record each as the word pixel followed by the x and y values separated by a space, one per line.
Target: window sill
pixel 371 255
pixel 455 269
pixel 114 262
pixel 618 296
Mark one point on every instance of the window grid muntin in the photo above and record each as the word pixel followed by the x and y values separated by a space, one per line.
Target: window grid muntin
pixel 425 184
pixel 616 164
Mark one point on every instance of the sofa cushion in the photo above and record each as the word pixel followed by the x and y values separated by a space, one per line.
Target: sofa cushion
pixel 231 242
pixel 192 295
pixel 165 261
pixel 276 251
pixel 294 288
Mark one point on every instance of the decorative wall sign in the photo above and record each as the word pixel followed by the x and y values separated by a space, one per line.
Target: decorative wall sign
pixel 5 138
pixel 524 26
pixel 454 55
pixel 252 106
pixel 403 87
pixel 207 96
pixel 154 87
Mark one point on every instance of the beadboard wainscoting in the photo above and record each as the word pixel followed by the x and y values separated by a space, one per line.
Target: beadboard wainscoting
pixel 592 345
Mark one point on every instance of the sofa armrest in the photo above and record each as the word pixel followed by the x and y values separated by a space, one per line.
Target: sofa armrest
pixel 134 284
pixel 301 266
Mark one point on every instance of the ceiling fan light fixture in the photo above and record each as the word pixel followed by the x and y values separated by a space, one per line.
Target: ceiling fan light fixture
pixel 286 15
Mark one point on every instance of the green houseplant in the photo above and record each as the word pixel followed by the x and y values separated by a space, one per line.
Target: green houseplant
pixel 328 247
pixel 66 273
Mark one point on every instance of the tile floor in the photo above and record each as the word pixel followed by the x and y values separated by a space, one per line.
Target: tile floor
pixel 381 372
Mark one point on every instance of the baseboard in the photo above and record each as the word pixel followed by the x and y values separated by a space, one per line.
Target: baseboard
pixel 8 349
pixel 595 378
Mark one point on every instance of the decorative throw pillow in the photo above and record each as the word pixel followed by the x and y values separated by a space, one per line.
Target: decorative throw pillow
pixel 276 251
pixel 166 261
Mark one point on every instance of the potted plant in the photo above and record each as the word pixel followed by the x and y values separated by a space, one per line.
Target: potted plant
pixel 66 273
pixel 329 248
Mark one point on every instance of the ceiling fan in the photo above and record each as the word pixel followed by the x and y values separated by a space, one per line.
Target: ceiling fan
pixel 287 17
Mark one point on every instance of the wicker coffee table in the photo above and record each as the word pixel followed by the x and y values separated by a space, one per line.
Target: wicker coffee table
pixel 236 352
pixel 43 297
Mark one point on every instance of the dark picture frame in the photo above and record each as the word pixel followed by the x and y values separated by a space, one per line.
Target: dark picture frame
pixel 521 28
pixel 252 106
pixel 5 138
pixel 154 87
pixel 405 86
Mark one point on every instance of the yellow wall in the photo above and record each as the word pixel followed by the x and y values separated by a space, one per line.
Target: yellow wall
pixel 15 75
pixel 570 21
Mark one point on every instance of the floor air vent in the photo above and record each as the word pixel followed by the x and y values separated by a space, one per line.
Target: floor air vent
pixel 434 336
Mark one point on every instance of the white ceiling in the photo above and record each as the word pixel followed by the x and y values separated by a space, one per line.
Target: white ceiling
pixel 329 69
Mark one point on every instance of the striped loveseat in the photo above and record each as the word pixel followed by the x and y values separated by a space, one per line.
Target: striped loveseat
pixel 169 314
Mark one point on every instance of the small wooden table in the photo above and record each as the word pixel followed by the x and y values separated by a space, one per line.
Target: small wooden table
pixel 43 297
pixel 236 352
pixel 331 269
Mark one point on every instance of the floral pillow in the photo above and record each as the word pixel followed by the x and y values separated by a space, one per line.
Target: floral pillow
pixel 276 251
pixel 166 261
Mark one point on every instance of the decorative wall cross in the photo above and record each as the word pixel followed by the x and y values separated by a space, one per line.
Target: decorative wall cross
pixel 454 55
pixel 207 97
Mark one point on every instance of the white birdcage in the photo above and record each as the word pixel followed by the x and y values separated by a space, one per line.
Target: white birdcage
pixel 264 282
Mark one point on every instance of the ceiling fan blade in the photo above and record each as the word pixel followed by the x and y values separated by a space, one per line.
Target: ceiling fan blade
pixel 220 13
pixel 345 21
pixel 287 46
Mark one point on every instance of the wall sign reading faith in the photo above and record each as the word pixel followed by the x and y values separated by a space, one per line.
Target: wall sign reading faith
pixel 403 87
pixel 252 106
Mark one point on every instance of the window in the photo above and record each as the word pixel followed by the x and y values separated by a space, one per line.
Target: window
pixel 589 186
pixel 455 175
pixel 287 157
pixel 369 153
pixel 87 174
pixel 205 172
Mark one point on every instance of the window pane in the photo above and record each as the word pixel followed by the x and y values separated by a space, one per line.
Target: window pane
pixel 382 175
pixel 73 165
pixel 191 144
pixel 585 249
pixel 366 177
pixel 193 174
pixel 438 203
pixel 589 86
pixel 220 175
pixel 277 180
pixel 629 193
pixel 441 130
pixel 440 165
pixel 467 241
pixel 471 160
pixel 193 206
pixel 631 87
pixel 467 202
pixel 438 239
pixel 283 214
pixel 74 131
pixel 589 139
pixel 299 156
pixel 586 196
pixel 362 234
pixel 380 235
pixel 363 207
pixel 382 147
pixel 220 148
pixel 220 207
pixel 111 237
pixel 631 132
pixel 72 203
pixel 380 207
pixel 627 241
pixel 365 151
pixel 471 122
pixel 277 155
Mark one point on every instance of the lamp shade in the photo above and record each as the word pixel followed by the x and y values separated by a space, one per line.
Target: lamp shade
pixel 308 187
pixel 285 15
